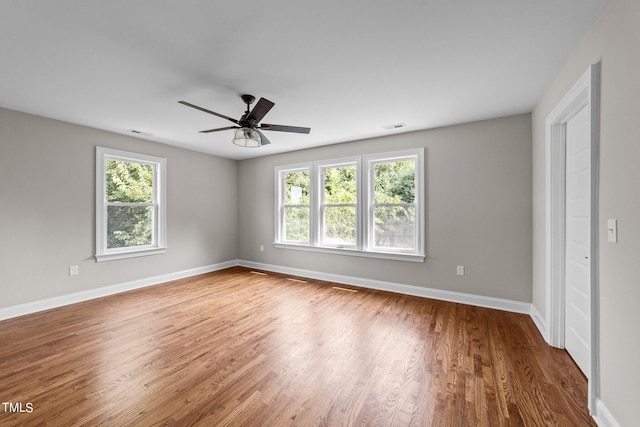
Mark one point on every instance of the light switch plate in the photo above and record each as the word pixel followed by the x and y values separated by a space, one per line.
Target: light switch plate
pixel 612 231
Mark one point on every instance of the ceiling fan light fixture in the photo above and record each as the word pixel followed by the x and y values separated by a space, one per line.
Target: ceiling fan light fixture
pixel 248 133
pixel 247 137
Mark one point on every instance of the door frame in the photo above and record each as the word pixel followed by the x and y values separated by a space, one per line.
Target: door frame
pixel 584 94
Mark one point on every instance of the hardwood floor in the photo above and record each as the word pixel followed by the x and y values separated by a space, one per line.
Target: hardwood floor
pixel 237 347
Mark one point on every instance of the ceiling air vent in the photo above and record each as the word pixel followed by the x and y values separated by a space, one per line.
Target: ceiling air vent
pixel 139 132
pixel 395 126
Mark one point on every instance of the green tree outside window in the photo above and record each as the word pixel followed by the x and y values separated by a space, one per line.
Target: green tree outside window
pixel 130 204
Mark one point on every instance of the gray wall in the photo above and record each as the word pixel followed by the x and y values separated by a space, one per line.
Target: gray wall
pixel 478 185
pixel 47 209
pixel 614 39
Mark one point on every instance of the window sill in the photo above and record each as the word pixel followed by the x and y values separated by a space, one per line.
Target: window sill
pixel 129 254
pixel 396 256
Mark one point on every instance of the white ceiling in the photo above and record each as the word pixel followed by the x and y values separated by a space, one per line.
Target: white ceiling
pixel 343 68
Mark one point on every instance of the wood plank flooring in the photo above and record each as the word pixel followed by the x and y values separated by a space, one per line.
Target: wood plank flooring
pixel 237 347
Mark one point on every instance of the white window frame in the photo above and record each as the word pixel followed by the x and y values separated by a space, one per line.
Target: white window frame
pixel 370 161
pixel 364 246
pixel 158 244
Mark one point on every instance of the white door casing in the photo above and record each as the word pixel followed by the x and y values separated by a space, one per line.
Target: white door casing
pixel 584 95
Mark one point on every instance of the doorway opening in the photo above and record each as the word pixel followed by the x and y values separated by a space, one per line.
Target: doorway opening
pixel 580 103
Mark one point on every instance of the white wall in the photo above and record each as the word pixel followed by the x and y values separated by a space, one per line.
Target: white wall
pixel 614 39
pixel 478 196
pixel 47 209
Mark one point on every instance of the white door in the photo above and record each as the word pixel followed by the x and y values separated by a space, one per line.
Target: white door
pixel 578 245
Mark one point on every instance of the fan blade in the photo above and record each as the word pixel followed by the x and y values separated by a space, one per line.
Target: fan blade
pixel 283 128
pixel 260 110
pixel 218 129
pixel 208 111
pixel 263 139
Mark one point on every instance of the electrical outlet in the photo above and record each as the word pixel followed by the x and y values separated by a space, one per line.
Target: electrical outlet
pixel 261 248
pixel 460 270
pixel 74 270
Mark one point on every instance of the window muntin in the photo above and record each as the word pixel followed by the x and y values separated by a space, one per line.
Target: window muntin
pixel 376 213
pixel 130 209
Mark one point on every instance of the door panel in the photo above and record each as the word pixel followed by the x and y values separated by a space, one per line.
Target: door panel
pixel 578 223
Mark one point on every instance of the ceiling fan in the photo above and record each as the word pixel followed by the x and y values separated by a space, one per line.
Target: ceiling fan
pixel 249 131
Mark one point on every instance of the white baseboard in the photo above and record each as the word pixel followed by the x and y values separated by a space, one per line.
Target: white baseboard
pixel 49 303
pixel 459 297
pixel 603 417
pixel 539 321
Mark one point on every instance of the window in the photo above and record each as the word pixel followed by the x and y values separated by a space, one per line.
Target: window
pixel 366 206
pixel 392 204
pixel 296 205
pixel 130 204
pixel 338 205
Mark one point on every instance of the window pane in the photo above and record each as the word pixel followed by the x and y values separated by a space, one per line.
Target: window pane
pixel 129 182
pixel 340 185
pixel 129 226
pixel 394 182
pixel 394 227
pixel 339 225
pixel 296 224
pixel 296 188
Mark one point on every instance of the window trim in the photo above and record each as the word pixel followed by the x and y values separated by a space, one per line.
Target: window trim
pixel 364 233
pixel 158 244
pixel 418 201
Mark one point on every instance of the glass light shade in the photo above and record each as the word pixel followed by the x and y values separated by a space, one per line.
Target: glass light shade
pixel 247 137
